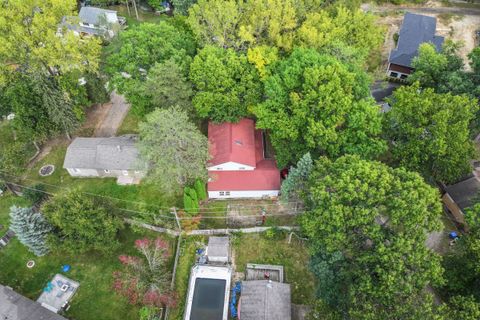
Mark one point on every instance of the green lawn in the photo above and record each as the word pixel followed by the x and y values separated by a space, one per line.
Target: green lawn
pixel 143 16
pixel 294 257
pixel 129 124
pixel 95 298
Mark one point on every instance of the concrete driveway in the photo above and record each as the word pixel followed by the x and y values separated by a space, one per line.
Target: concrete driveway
pixel 118 109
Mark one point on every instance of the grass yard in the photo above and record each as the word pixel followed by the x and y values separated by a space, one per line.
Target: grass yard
pixel 185 262
pixel 129 124
pixel 94 298
pixel 272 248
pixel 143 16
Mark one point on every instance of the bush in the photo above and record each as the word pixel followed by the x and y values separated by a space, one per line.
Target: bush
pixel 190 200
pixel 200 189
pixel 35 194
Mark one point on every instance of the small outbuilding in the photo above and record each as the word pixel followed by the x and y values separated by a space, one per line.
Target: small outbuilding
pixel 105 157
pixel 265 300
pixel 460 196
pixel 93 21
pixel 218 250
pixel 14 306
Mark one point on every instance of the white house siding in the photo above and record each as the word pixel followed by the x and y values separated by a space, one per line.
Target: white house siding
pixel 242 194
pixel 83 172
pixel 231 166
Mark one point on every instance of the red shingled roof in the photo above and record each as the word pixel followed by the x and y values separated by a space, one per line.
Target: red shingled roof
pixel 241 143
pixel 232 142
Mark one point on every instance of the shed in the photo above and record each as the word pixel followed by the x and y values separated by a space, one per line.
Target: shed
pixel 218 249
pixel 265 300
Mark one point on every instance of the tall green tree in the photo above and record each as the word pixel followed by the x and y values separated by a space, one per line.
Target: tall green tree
pixel 296 182
pixel 328 30
pixel 367 228
pixel 444 71
pixel 314 103
pixel 175 151
pixel 28 34
pixel 226 84
pixel 140 48
pixel 81 222
pixel 430 132
pixel 31 229
pixel 167 86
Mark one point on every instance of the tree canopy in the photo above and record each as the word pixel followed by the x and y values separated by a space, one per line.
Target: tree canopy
pixel 444 71
pixel 367 228
pixel 230 91
pixel 138 49
pixel 314 103
pixel 430 132
pixel 81 223
pixel 175 151
pixel 28 34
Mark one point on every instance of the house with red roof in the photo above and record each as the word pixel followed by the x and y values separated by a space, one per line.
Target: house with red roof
pixel 241 165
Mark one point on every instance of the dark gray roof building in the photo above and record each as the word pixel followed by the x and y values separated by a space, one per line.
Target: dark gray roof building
pixel 464 192
pixel 14 306
pixel 117 153
pixel 416 29
pixel 265 300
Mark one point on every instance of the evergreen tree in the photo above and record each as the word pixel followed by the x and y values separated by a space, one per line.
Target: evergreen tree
pixel 200 189
pixel 295 182
pixel 31 229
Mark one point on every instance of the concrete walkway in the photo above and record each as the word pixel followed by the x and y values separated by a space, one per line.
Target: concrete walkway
pixel 114 117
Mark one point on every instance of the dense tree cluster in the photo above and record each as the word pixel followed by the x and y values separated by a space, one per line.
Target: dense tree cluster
pixel 367 227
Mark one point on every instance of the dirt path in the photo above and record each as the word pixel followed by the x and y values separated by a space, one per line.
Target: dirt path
pixel 115 113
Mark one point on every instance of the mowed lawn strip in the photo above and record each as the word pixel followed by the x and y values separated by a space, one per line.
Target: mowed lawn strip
pixel 274 249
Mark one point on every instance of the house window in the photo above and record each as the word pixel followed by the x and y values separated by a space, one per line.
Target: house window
pixel 241 168
pixel 106 171
pixel 125 172
pixel 219 168
pixel 137 171
pixel 221 193
pixel 227 193
pixel 403 76
pixel 394 74
pixel 76 170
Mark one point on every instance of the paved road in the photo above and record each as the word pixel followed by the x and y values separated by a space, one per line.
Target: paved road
pixel 113 119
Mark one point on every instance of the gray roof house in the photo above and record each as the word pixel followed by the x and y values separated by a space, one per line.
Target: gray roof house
pixel 416 29
pixel 265 300
pixel 14 306
pixel 93 21
pixel 105 157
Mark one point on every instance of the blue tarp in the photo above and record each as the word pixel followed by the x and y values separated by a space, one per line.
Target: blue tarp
pixel 233 302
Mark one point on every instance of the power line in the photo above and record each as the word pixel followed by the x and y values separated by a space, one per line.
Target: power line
pixel 172 217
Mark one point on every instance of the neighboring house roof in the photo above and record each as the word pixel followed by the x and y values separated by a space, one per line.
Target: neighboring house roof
pixel 240 143
pixel 464 192
pixel 93 15
pixel 265 300
pixel 72 23
pixel 117 153
pixel 232 142
pixel 416 29
pixel 14 306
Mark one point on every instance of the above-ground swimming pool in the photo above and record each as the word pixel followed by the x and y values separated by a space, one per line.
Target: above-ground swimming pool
pixel 208 293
